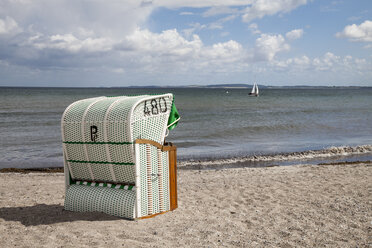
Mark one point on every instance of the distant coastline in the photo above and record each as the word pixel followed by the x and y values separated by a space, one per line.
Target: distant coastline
pixel 208 86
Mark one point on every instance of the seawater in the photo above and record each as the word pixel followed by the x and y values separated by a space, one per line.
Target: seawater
pixel 218 124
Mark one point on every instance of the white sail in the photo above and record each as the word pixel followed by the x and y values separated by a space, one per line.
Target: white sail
pixel 253 89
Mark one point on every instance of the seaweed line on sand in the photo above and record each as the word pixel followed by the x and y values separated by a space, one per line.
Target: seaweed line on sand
pixel 305 155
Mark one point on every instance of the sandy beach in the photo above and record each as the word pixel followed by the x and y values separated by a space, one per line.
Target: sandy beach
pixel 293 206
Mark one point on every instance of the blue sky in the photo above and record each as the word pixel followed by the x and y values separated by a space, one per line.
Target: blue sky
pixel 169 42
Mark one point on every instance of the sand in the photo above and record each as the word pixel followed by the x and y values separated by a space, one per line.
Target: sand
pixel 293 206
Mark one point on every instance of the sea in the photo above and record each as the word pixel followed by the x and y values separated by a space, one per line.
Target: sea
pixel 219 127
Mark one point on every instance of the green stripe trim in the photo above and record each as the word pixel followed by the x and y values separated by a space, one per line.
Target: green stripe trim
pixel 104 185
pixel 98 143
pixel 98 162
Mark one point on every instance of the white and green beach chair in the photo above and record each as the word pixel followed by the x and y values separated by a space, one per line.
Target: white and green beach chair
pixel 116 161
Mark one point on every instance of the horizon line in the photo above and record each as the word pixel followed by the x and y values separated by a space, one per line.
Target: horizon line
pixel 197 86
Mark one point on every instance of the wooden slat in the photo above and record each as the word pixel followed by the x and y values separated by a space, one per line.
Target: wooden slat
pixel 166 147
pixel 173 179
pixel 151 216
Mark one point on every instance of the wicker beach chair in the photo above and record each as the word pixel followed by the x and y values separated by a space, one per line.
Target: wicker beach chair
pixel 115 157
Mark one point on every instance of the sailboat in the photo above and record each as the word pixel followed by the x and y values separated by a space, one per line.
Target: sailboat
pixel 254 91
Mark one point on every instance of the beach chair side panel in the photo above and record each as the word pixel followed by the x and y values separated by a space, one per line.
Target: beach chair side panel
pixel 149 121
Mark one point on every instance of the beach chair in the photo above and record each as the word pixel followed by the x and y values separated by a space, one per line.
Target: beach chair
pixel 116 160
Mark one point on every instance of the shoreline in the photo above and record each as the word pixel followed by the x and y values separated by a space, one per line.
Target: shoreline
pixel 191 167
pixel 326 155
pixel 330 153
pixel 286 206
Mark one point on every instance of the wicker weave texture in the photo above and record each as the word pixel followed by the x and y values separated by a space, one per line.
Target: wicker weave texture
pixel 117 202
pixel 150 179
pixel 118 121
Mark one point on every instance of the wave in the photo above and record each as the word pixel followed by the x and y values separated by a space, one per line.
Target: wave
pixel 256 159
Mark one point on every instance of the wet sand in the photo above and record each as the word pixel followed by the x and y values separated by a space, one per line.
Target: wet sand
pixel 293 206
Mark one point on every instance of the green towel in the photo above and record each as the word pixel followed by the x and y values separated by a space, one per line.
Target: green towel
pixel 173 116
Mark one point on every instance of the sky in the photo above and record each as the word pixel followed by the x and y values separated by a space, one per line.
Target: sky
pixel 110 43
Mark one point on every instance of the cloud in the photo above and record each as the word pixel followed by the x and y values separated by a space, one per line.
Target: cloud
pixel 267 46
pixel 108 41
pixel 254 9
pixel 361 33
pixel 167 43
pixel 329 62
pixel 302 63
pixel 220 22
pixel 261 8
pixel 294 34
pixel 169 48
pixel 186 13
pixel 195 27
pixel 70 43
pixel 105 18
pixel 9 26
pixel 219 10
pixel 226 51
pixel 254 28
pixel 199 3
pixel 224 34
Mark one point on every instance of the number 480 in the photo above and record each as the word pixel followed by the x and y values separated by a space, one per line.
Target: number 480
pixel 156 106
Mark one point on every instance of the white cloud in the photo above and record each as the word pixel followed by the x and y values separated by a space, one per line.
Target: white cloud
pixel 186 13
pixel 70 43
pixel 200 3
pixel 267 46
pixel 8 26
pixel 255 8
pixel 294 34
pixel 261 8
pixel 168 43
pixel 227 51
pixel 220 10
pixel 362 32
pixel 220 22
pixel 105 18
pixel 329 62
pixel 297 63
pixel 194 27
pixel 224 34
pixel 254 28
pixel 326 62
pixel 174 48
pixel 215 25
